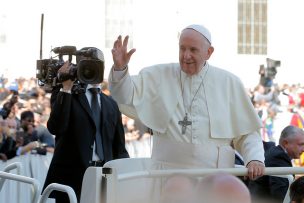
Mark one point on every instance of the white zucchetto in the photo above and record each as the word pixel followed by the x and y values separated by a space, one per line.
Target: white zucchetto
pixel 201 29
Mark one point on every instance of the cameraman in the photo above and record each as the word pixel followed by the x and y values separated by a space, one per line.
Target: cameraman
pixel 73 123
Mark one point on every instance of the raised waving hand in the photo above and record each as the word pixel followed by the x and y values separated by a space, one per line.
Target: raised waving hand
pixel 121 56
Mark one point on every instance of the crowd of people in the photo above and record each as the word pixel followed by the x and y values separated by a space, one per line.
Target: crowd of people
pixel 279 106
pixel 24 113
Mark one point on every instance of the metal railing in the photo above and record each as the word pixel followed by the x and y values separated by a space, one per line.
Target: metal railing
pixel 277 171
pixel 58 187
pixel 10 167
pixel 24 179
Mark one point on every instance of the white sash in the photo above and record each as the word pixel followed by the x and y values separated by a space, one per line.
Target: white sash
pixel 173 154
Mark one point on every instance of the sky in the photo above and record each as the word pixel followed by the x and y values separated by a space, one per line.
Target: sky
pixel 80 23
pixel 63 25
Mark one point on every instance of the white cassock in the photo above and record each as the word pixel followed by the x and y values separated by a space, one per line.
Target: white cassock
pixel 217 105
pixel 219 109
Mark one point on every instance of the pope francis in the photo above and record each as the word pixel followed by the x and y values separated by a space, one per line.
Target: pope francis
pixel 199 113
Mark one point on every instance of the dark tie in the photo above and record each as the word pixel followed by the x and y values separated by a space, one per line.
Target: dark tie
pixel 96 114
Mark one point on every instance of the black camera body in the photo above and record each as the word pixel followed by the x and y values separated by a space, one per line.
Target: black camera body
pixel 268 74
pixel 271 69
pixel 89 67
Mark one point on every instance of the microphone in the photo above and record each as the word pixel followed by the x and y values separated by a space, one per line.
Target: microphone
pixel 65 50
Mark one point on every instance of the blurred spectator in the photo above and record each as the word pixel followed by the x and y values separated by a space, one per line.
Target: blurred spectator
pixel 43 134
pixel 14 87
pixel 215 188
pixel 297 118
pixel 291 146
pixel 222 187
pixel 178 189
pixel 104 88
pixel 12 116
pixel 8 106
pixel 260 94
pixel 301 96
pixel 138 138
pixel 26 138
pixel 2 139
pixel 8 130
pixel 27 120
pixel 296 191
pixel 268 128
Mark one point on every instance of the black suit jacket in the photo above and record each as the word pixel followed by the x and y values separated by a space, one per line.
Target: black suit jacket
pixel 72 122
pixel 268 145
pixel 270 187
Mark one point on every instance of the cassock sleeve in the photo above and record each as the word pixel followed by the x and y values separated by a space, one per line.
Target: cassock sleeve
pixel 120 86
pixel 250 146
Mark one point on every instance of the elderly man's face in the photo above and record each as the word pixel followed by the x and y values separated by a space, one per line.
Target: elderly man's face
pixel 194 50
pixel 295 146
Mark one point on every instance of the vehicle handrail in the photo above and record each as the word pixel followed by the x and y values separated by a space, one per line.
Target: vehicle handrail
pixel 202 172
pixel 58 187
pixel 283 172
pixel 24 179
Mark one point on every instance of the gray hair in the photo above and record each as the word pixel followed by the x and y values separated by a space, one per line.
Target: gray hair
pixel 290 132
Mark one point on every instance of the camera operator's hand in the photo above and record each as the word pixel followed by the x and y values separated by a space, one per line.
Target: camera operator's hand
pixel 121 56
pixel 65 69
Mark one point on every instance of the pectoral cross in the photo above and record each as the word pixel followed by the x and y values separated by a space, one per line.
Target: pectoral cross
pixel 184 123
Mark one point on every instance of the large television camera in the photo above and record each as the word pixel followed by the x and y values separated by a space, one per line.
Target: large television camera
pixel 88 69
pixel 268 74
pixel 272 65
